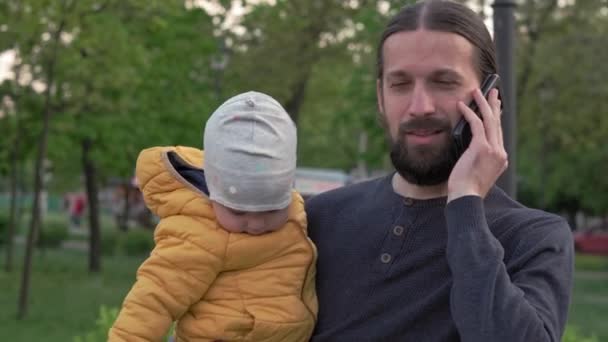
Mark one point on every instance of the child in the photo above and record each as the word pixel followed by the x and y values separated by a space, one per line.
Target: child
pixel 232 260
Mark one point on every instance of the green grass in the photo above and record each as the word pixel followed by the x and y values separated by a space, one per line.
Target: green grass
pixel 64 298
pixel 589 307
pixel 585 262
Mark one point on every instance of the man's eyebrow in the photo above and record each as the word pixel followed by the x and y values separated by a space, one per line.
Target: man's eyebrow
pixel 450 73
pixel 397 74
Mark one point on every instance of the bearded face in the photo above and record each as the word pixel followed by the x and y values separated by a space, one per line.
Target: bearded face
pixel 424 163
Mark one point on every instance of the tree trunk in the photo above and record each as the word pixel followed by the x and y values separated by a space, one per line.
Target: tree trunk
pixel 12 221
pixel 35 220
pixel 42 148
pixel 93 203
pixel 14 177
pixel 294 103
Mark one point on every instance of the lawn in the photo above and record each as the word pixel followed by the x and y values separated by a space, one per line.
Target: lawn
pixel 589 308
pixel 65 298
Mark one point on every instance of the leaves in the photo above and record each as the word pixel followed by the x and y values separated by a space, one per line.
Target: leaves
pixel 132 74
pixel 562 119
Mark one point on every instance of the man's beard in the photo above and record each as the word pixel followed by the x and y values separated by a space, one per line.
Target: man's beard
pixel 424 165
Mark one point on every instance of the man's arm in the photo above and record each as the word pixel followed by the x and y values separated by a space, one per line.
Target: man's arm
pixel 489 304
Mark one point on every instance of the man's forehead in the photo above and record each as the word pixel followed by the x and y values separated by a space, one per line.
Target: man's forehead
pixel 427 51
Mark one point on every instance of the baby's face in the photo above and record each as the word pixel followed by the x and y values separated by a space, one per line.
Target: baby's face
pixel 254 223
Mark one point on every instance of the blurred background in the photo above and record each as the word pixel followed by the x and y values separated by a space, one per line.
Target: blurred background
pixel 86 84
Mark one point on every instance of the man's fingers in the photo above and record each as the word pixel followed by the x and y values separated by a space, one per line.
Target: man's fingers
pixel 491 121
pixel 474 121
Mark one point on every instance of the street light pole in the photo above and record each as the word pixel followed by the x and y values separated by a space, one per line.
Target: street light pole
pixel 504 36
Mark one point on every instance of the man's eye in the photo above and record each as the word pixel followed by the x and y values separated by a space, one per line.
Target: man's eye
pixel 398 84
pixel 445 82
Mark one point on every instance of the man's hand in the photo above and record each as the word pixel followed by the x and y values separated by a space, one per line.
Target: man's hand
pixel 485 159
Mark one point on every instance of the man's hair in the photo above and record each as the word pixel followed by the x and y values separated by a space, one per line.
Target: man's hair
pixel 444 16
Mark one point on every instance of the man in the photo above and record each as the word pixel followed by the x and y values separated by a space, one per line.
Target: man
pixel 436 252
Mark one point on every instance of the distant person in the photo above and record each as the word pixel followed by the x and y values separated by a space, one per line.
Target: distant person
pixel 232 260
pixel 75 204
pixel 435 251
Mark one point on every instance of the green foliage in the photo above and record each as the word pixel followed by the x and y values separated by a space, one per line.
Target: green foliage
pixel 138 242
pixel 53 234
pixel 110 241
pixel 133 74
pixel 104 322
pixel 134 242
pixel 562 128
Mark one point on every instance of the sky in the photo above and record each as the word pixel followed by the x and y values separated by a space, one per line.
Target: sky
pixel 6 59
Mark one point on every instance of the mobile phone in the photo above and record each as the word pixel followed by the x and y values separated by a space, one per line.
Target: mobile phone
pixel 462 131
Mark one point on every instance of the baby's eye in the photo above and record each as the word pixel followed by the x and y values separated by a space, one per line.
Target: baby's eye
pixel 237 212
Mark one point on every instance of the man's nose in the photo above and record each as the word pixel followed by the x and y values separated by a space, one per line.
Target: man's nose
pixel 421 101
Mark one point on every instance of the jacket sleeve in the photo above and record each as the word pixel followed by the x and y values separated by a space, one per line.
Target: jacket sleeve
pixel 177 274
pixel 309 293
pixel 529 302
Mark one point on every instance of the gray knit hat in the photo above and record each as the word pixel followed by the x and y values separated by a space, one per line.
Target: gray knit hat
pixel 250 153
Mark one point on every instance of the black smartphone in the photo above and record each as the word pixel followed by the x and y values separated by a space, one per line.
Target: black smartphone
pixel 462 131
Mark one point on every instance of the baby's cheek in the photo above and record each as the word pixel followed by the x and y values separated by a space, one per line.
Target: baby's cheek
pixel 279 223
pixel 229 224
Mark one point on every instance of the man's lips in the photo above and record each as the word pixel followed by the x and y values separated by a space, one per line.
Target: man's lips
pixel 423 132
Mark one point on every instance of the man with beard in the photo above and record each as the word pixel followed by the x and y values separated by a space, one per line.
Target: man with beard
pixel 435 251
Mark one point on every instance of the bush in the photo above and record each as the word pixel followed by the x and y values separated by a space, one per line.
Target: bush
pixel 104 322
pixel 138 242
pixel 110 241
pixel 52 234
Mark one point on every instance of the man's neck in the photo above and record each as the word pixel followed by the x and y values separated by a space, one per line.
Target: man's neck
pixel 406 189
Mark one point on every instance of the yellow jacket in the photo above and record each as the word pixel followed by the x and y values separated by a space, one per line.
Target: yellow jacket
pixel 217 285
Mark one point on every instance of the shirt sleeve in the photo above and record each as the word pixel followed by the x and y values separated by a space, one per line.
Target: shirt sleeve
pixel 524 301
pixel 177 274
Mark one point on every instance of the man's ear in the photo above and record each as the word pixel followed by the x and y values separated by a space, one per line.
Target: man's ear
pixel 379 96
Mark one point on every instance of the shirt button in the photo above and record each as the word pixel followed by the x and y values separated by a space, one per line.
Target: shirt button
pixel 408 201
pixel 398 230
pixel 385 258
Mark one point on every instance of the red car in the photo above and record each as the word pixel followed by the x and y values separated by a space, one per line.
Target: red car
pixel 592 242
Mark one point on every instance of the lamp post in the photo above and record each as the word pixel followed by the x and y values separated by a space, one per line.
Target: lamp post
pixel 504 36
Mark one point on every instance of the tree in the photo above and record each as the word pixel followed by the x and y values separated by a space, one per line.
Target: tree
pixel 562 128
pixel 49 60
pixel 20 101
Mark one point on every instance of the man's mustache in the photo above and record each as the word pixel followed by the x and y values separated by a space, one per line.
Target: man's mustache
pixel 425 124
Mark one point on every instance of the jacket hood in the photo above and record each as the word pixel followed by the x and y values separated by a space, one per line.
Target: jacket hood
pixel 171 179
